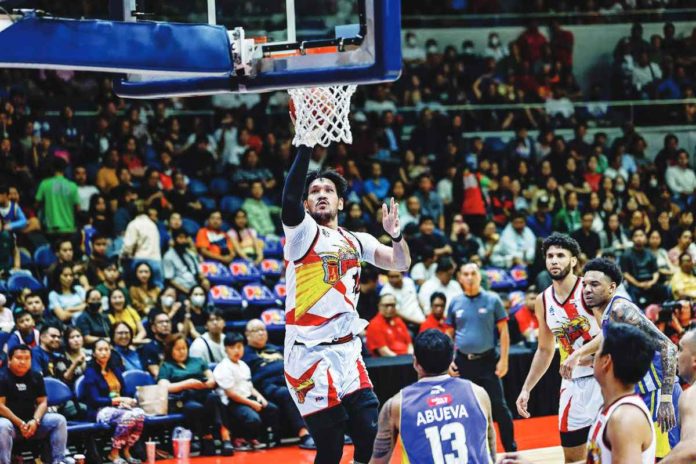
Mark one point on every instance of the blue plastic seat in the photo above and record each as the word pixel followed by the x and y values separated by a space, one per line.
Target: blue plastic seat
pixel 44 257
pixel 197 187
pixel 244 272
pixel 226 297
pixel 272 267
pixel 216 273
pixel 259 295
pixel 280 291
pixel 272 247
pixel 231 203
pixel 25 258
pixel 220 186
pixel 18 282
pixel 208 203
pixel 58 394
pixel 190 226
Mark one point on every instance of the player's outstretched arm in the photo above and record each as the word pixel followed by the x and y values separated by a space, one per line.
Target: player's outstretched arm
pixel 387 431
pixel 542 358
pixel 398 256
pixel 628 313
pixel 685 451
pixel 293 212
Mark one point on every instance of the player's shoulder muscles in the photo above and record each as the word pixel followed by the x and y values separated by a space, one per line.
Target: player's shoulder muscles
pixel 299 238
pixel 627 447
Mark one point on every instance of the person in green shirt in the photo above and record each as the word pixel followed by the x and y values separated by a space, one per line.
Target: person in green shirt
pixel 191 388
pixel 258 212
pixel 568 218
pixel 58 198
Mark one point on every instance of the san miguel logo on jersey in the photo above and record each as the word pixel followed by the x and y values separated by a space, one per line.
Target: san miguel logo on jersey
pixel 336 265
pixel 303 384
pixel 571 331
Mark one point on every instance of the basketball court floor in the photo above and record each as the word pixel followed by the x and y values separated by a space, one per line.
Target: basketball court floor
pixel 537 437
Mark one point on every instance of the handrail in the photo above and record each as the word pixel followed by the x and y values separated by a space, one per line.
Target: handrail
pixel 548 15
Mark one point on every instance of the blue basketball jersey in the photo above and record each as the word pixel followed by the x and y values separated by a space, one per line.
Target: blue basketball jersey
pixel 443 422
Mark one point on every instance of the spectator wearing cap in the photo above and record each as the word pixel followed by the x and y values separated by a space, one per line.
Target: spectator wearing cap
pixel 442 282
pixel 265 361
pixel 141 243
pixel 212 242
pixel 181 264
pixel 407 306
pixel 387 334
pixel 517 244
pixel 541 222
pixel 436 318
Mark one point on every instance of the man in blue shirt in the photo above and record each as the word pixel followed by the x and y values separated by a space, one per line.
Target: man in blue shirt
pixel 473 318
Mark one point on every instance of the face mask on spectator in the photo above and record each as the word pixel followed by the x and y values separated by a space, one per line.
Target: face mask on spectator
pixel 653 182
pixel 495 41
pixel 198 300
pixel 411 41
pixel 167 301
pixel 620 188
pixel 94 307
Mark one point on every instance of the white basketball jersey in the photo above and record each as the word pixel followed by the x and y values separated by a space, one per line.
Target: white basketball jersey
pixel 598 452
pixel 571 323
pixel 323 285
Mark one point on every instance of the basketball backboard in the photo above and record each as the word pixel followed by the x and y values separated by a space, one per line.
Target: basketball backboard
pixel 198 47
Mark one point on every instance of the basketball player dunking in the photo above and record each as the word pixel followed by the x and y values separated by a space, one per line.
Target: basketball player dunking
pixel 562 314
pixel 323 366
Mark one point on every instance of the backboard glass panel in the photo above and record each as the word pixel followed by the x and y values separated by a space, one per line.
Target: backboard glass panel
pixel 278 20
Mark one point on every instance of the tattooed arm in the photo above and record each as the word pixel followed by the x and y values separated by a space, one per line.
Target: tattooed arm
pixel 628 313
pixel 387 431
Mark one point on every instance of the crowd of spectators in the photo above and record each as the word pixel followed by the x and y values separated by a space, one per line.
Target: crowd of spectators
pixel 132 200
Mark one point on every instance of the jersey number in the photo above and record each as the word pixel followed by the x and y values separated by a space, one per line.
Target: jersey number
pixel 453 433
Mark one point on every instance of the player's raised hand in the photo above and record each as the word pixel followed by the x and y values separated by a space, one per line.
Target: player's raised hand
pixel 521 403
pixel 390 218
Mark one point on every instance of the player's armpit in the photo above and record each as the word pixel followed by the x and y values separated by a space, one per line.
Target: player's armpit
pixel 386 432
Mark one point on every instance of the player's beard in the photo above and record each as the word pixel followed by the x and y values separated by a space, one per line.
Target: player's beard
pixel 561 275
pixel 324 217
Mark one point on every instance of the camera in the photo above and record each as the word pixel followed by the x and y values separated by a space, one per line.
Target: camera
pixel 668 308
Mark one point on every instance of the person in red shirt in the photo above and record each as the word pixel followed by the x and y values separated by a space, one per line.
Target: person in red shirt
pixel 387 334
pixel 531 42
pixel 436 318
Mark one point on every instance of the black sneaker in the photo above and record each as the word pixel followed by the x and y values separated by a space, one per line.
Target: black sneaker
pixel 208 448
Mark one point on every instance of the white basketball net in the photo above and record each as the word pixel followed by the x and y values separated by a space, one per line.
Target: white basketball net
pixel 321 115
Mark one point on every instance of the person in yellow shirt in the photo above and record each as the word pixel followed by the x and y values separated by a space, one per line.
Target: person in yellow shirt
pixel 119 311
pixel 684 281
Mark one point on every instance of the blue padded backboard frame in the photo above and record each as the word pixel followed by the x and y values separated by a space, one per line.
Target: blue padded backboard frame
pixel 385 67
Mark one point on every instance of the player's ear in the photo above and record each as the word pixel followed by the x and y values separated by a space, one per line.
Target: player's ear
pixel 573 262
pixel 306 205
pixel 340 204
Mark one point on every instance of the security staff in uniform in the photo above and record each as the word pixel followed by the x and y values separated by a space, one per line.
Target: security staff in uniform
pixel 473 318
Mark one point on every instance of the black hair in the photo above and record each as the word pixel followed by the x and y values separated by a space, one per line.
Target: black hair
pixel 631 351
pixel 338 180
pixel 561 241
pixel 215 313
pixel 16 348
pixel 47 327
pixel 59 242
pixel 641 229
pixel 439 295
pixel 433 351
pixel 233 338
pixel 444 264
pixel 21 313
pixel 368 273
pixel 606 267
pixel 425 217
pixel 4 189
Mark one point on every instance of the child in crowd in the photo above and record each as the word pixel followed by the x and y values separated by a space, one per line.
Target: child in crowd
pixel 249 414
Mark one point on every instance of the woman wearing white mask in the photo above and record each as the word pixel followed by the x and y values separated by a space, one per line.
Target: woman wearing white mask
pixel 191 321
pixel 493 49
